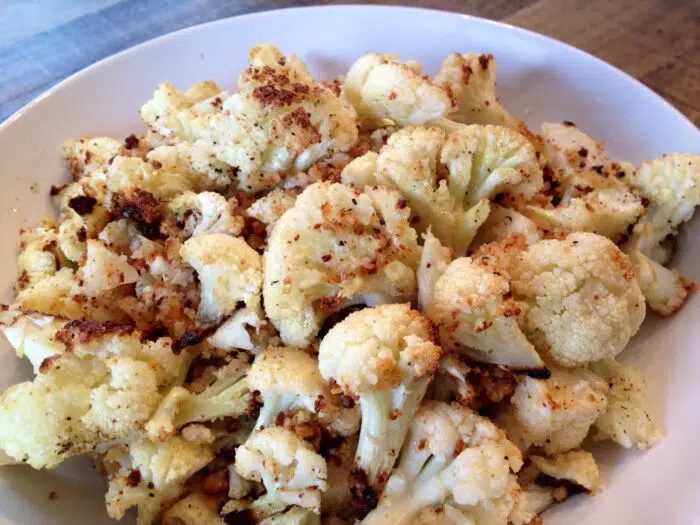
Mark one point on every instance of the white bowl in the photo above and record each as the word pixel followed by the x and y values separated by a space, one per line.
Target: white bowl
pixel 540 79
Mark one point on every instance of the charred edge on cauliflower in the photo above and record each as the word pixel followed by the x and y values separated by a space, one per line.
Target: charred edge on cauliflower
pixel 81 332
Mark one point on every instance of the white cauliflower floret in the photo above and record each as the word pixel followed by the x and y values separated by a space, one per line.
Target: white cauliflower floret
pixel 291 471
pixel 103 270
pixel 86 154
pixel 125 402
pixel 555 413
pixel 229 271
pixel 410 163
pixel 450 454
pixel 108 380
pixel 269 208
pixel 42 423
pixel 470 79
pixel 626 419
pixel 337 247
pixel 206 212
pixel 503 223
pixel 664 289
pixel 580 298
pixel 577 466
pixel 433 262
pixel 162 470
pixel 382 88
pixel 672 186
pixel 475 315
pixel 228 396
pixel 280 122
pixel 174 114
pixel 485 161
pixel 385 356
pixel 289 379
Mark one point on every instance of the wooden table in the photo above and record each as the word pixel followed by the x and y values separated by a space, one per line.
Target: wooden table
pixel 43 41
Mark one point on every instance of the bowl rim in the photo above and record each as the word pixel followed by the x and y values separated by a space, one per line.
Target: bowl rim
pixel 371 9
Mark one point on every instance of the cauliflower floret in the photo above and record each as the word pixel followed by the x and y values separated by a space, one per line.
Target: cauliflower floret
pixel 580 298
pixel 124 403
pixel 269 208
pixel 503 223
pixel 433 262
pixel 228 396
pixel 475 314
pixel 664 289
pixel 410 163
pixel 337 247
pixel 206 212
pixel 450 454
pixel 162 470
pixel 485 161
pixel 555 413
pixel 60 294
pixel 194 161
pixel 289 379
pixel 42 419
pixel 291 471
pixel 108 379
pixel 608 212
pixel 626 419
pixel 470 79
pixel 131 187
pixel 672 186
pixel 86 154
pixel 229 271
pixel 587 190
pixel 385 356
pixel 569 150
pixel 103 270
pixel 280 122
pixel 174 114
pixel 382 88
pixel 577 466
pixel 38 258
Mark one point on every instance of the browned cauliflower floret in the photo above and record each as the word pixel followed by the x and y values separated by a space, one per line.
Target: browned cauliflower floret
pixel 383 89
pixel 580 299
pixel 337 247
pixel 280 122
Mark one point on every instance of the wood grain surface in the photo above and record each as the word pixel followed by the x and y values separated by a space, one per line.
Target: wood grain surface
pixel 43 41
